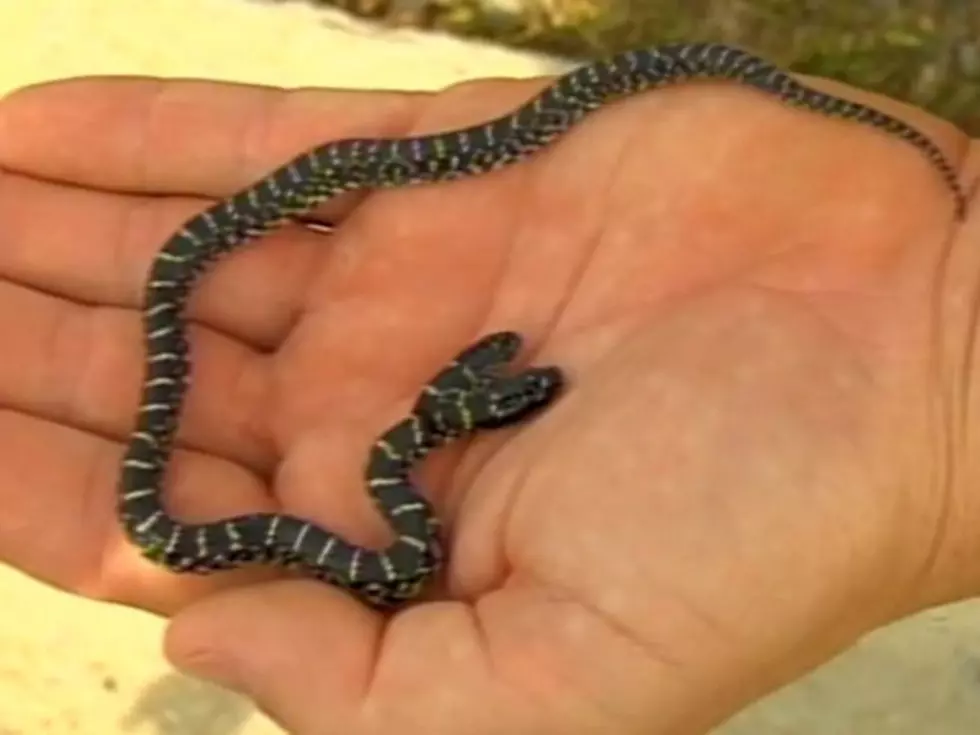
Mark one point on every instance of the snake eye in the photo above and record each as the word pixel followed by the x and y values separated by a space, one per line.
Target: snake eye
pixel 514 398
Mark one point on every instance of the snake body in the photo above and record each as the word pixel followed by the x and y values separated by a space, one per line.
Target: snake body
pixel 471 392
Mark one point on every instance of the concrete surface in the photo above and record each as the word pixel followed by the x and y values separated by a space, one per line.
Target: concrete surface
pixel 63 667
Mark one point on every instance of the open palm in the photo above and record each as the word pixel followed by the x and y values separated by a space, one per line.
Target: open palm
pixel 740 479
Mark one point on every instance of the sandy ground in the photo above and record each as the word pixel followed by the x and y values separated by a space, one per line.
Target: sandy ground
pixel 73 666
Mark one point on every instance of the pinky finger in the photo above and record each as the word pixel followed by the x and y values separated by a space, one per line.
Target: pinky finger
pixel 58 514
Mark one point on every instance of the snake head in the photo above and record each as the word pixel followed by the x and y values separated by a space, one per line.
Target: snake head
pixel 508 400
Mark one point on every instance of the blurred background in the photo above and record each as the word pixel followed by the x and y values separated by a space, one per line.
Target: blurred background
pixel 922 51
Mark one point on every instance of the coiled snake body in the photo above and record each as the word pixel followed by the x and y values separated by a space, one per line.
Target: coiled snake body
pixel 469 394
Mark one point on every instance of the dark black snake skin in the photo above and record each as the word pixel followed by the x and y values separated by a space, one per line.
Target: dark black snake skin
pixel 468 395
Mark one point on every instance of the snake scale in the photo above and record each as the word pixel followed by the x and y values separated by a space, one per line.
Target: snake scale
pixel 470 393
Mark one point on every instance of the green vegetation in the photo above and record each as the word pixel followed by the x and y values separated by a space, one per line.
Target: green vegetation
pixel 926 52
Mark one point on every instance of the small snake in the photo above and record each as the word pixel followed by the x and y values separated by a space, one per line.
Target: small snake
pixel 471 393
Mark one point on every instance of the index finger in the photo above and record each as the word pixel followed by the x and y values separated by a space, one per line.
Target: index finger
pixel 149 135
pixel 153 136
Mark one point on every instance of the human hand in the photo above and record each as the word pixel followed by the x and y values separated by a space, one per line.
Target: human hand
pixel 762 452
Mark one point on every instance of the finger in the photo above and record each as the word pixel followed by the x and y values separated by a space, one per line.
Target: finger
pixel 279 643
pixel 97 248
pixel 66 364
pixel 151 135
pixel 82 366
pixel 182 137
pixel 310 656
pixel 57 491
pixel 44 218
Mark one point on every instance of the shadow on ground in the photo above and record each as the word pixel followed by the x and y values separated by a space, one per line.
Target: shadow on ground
pixel 179 705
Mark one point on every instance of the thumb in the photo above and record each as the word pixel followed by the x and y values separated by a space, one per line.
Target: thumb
pixel 304 653
pixel 319 663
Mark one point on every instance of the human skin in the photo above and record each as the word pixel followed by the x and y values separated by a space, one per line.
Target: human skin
pixel 765 450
